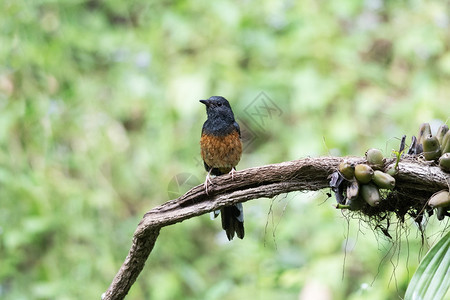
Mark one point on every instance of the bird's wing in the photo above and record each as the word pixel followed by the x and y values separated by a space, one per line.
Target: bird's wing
pixel 207 168
pixel 203 128
pixel 236 125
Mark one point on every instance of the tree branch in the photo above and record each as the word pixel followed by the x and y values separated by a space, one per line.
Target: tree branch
pixel 309 174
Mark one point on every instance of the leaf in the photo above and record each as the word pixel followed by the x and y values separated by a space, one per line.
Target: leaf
pixel 432 278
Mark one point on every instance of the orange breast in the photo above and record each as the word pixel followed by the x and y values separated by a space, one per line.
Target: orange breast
pixel 222 152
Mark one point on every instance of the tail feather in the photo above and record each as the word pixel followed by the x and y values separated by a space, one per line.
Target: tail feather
pixel 233 221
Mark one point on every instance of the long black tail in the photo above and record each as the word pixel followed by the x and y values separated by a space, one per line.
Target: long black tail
pixel 233 220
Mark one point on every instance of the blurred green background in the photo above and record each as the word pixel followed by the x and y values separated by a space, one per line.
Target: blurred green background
pixel 100 122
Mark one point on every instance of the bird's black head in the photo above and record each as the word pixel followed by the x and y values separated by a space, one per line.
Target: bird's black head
pixel 217 107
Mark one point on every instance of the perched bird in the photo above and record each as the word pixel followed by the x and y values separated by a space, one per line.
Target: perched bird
pixel 221 150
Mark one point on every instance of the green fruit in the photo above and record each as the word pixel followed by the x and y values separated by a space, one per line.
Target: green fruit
pixel 392 170
pixel 424 131
pixel 375 157
pixel 383 180
pixel 445 145
pixel 440 199
pixel 444 162
pixel 431 148
pixel 430 143
pixel 363 173
pixel 370 194
pixel 353 190
pixel 440 213
pixel 347 169
pixel 432 155
pixel 442 130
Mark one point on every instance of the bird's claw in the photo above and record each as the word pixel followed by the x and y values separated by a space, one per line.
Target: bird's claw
pixel 207 181
pixel 233 170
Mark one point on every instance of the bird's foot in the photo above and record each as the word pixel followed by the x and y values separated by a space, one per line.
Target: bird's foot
pixel 233 170
pixel 207 181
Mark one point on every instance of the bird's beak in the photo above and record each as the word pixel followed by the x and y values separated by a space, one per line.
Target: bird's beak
pixel 206 102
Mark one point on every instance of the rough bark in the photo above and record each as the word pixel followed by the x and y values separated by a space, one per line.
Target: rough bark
pixel 309 174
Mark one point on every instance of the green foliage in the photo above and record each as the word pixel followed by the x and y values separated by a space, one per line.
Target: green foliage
pixel 431 280
pixel 99 111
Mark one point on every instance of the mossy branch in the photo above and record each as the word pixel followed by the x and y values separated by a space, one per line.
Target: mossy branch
pixel 415 179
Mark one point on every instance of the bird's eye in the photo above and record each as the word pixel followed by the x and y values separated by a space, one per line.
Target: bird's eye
pixel 219 104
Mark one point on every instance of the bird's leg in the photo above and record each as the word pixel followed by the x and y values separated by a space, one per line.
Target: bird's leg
pixel 233 170
pixel 207 180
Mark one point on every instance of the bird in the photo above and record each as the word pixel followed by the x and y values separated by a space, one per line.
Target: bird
pixel 221 151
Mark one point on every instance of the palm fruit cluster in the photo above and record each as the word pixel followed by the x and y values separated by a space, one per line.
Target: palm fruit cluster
pixel 364 185
pixel 363 181
pixel 435 147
